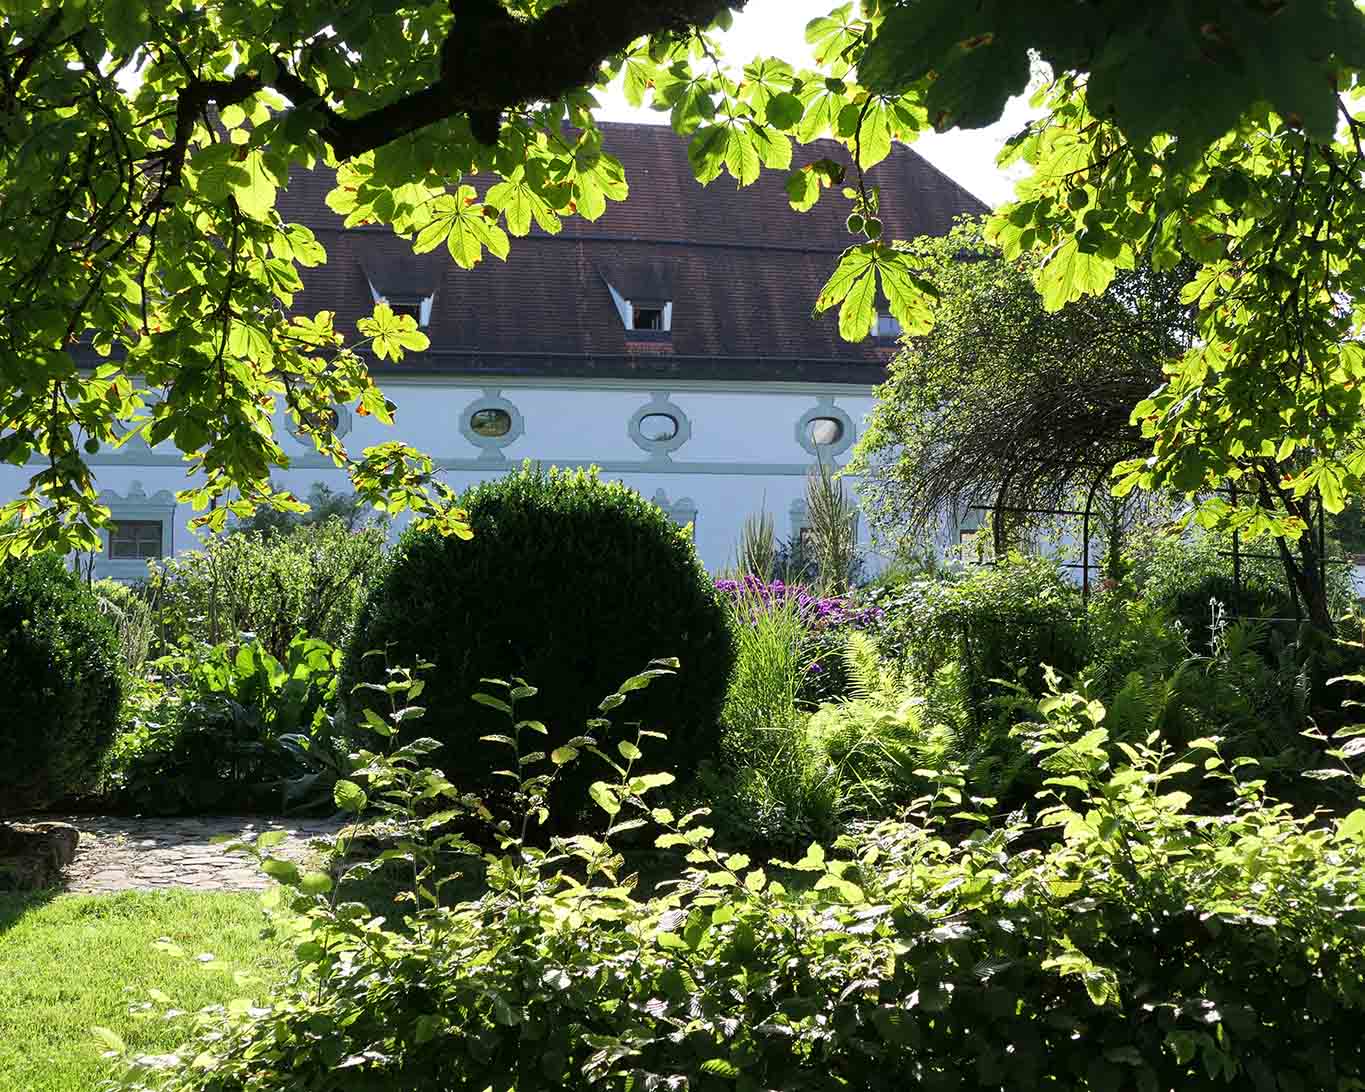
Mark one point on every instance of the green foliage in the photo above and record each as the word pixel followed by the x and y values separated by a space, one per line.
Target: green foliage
pixel 875 741
pixel 1267 397
pixel 757 552
pixel 1172 76
pixel 1136 944
pixel 1227 137
pixel 324 504
pixel 1004 402
pixel 1128 634
pixel 833 530
pixel 134 620
pixel 63 680
pixel 998 623
pixel 227 728
pixel 771 786
pixel 569 580
pixel 268 586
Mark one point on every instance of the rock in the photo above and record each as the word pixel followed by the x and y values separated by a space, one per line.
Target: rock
pixel 32 855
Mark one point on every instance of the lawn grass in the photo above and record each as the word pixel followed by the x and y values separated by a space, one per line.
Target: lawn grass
pixel 79 961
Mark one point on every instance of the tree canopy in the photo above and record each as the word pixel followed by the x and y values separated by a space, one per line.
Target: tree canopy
pixel 1004 403
pixel 142 143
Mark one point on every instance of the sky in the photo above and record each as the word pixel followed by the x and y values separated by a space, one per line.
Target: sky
pixel 777 28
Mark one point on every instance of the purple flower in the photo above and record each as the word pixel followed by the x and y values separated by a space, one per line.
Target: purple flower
pixel 818 612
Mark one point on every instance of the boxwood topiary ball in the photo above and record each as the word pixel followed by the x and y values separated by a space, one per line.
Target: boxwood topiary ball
pixel 573 584
pixel 59 704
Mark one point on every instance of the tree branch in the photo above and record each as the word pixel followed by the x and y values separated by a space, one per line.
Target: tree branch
pixel 491 64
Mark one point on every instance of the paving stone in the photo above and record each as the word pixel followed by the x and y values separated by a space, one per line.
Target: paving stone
pixel 117 854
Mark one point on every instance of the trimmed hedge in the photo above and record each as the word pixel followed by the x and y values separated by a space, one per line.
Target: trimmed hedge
pixel 569 582
pixel 60 662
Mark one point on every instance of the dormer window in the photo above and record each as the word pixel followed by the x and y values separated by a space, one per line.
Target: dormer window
pixel 888 326
pixel 647 317
pixel 416 309
pixel 415 306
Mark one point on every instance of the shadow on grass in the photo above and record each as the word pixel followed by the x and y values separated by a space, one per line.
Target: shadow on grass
pixel 14 905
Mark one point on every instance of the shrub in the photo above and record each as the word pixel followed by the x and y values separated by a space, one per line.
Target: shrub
pixel 1130 634
pixel 270 586
pixel 1189 573
pixel 1138 947
pixel 59 702
pixel 224 728
pixel 133 619
pixel 568 580
pixel 1003 622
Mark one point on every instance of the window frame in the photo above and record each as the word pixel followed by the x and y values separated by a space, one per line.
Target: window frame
pixel 825 407
pixel 135 524
pixel 490 447
pixel 660 404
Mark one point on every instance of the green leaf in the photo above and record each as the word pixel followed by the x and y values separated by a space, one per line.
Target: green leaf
pixel 253 187
pixel 784 111
pixel 562 755
pixel 645 782
pixel 1068 274
pixel 126 26
pixel 852 287
pixel 602 793
pixel 493 703
pixel 460 222
pixel 287 872
pixel 1352 827
pixel 315 883
pixel 629 751
pixel 349 797
pixel 109 1038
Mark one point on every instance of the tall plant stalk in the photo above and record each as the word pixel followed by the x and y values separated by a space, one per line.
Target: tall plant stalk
pixel 833 529
pixel 757 553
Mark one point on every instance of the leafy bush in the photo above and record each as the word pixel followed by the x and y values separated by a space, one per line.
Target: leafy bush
pixel 225 729
pixel 59 702
pixel 1190 573
pixel 133 618
pixel 569 580
pixel 1130 634
pixel 269 586
pixel 996 623
pixel 1136 946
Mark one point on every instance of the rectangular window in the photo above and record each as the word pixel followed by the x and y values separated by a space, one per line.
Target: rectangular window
pixel 888 325
pixel 648 318
pixel 136 540
pixel 407 307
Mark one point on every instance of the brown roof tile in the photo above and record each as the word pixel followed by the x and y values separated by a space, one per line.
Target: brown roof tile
pixel 743 269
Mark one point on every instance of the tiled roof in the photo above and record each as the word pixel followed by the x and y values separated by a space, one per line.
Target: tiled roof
pixel 743 270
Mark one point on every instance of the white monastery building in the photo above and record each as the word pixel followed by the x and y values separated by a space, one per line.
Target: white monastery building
pixel 670 343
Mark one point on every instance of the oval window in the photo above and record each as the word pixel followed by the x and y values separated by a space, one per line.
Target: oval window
pixel 658 427
pixel 327 421
pixel 824 431
pixel 491 422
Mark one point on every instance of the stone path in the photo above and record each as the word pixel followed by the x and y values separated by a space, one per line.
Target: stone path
pixel 154 854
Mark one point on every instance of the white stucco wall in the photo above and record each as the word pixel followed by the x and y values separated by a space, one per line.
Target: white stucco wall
pixel 740 454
